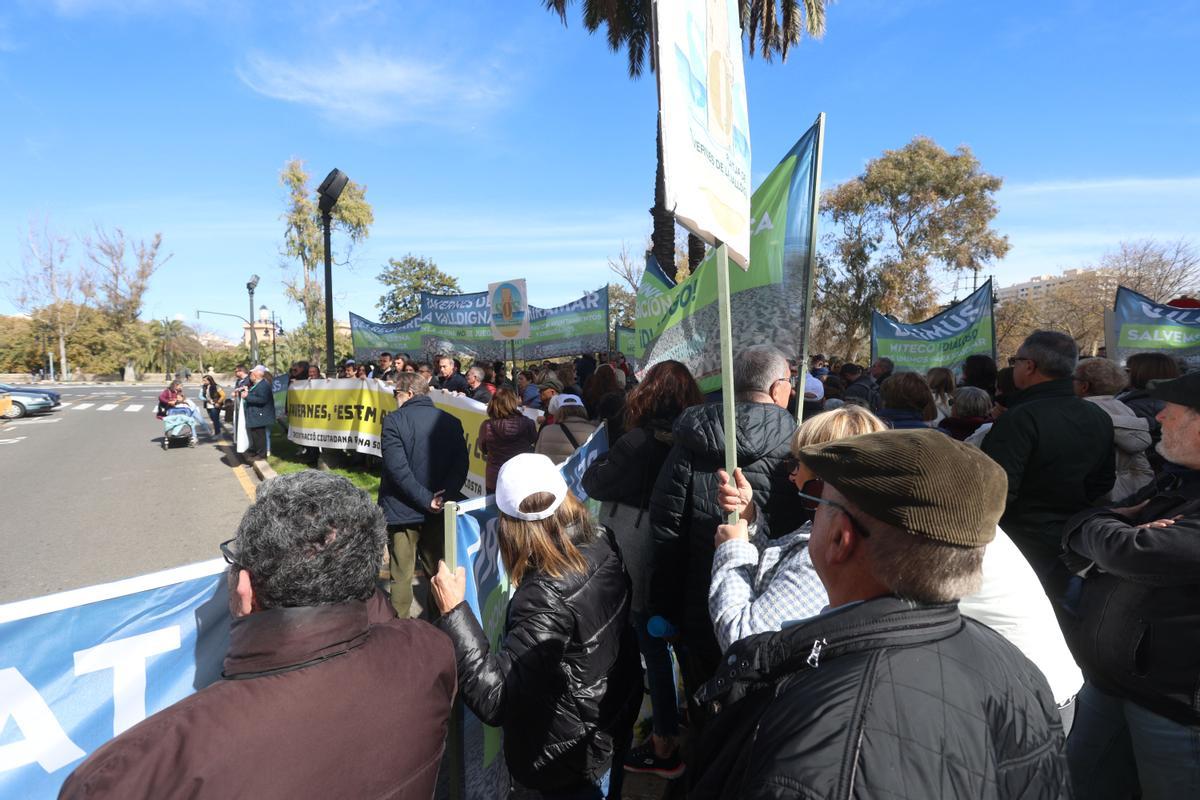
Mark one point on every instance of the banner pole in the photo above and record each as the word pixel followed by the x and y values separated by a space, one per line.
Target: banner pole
pixel 455 738
pixel 729 418
pixel 810 269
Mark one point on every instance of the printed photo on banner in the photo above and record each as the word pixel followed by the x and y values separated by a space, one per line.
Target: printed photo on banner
pixel 508 301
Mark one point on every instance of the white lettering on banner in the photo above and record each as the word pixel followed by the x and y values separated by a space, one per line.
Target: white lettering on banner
pixel 761 225
pixel 45 742
pixel 127 659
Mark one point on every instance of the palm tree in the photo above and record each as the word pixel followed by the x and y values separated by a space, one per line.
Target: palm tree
pixel 770 26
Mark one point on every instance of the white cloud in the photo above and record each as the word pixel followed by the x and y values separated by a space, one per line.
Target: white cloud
pixel 376 89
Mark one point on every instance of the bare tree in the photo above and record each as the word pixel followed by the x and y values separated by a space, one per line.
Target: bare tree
pixel 1160 270
pixel 625 267
pixel 49 289
pixel 122 283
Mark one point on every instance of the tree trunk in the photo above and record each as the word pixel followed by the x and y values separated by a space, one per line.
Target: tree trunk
pixel 695 251
pixel 662 238
pixel 62 356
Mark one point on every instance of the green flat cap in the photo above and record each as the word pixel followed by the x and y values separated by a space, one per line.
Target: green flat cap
pixel 921 481
pixel 551 383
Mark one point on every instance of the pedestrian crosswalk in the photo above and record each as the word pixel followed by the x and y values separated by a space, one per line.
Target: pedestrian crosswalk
pixel 125 405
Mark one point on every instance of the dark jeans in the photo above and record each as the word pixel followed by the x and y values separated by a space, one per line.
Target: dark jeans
pixel 660 677
pixel 215 415
pixel 1117 747
pixel 258 441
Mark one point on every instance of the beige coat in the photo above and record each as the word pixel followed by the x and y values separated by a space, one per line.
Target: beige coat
pixel 555 445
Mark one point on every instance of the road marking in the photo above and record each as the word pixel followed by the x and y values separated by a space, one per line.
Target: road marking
pixel 19 438
pixel 107 407
pixel 244 480
pixel 36 421
pixel 83 406
pixel 64 405
pixel 134 407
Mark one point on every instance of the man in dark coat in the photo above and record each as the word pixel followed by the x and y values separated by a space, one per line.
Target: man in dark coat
pixel 424 464
pixel 683 507
pixel 890 692
pixel 260 411
pixel 1138 639
pixel 861 388
pixel 324 692
pixel 1057 450
pixel 448 376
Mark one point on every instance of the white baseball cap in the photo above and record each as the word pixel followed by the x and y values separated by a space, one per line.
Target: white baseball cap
pixel 560 400
pixel 524 475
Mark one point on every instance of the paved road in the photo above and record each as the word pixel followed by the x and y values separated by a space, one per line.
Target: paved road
pixel 89 496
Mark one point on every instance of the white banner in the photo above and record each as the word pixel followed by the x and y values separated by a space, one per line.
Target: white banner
pixel 705 124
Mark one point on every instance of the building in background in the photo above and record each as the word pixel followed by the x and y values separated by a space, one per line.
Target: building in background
pixel 1042 286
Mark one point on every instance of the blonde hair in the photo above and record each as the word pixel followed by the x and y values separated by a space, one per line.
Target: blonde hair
pixel 543 545
pixel 840 423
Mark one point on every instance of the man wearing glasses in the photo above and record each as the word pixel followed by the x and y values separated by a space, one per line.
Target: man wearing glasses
pixel 890 692
pixel 324 692
pixel 1056 449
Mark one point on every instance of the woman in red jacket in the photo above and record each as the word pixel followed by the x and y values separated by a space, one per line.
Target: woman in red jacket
pixel 505 433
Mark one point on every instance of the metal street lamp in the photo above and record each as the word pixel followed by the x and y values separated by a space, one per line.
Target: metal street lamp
pixel 329 190
pixel 253 334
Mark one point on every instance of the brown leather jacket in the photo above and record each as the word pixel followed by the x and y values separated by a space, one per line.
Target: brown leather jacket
pixel 321 701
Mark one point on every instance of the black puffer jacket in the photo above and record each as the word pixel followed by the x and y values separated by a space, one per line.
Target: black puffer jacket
pixel 566 678
pixel 883 699
pixel 627 472
pixel 684 514
pixel 1139 631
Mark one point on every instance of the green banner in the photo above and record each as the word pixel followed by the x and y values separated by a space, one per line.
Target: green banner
pixel 372 338
pixel 577 327
pixel 768 301
pixel 945 340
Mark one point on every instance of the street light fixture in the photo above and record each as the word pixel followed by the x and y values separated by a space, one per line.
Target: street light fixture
pixel 329 191
pixel 253 282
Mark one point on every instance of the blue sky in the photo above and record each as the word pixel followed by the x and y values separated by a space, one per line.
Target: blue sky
pixel 501 144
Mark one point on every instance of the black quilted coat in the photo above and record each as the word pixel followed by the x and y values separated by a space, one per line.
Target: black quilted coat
pixel 882 699
pixel 684 514
pixel 566 679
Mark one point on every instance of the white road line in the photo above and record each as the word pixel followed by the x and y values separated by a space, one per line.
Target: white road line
pixel 64 405
pixel 107 407
pixel 11 441
pixel 36 421
pixel 82 406
pixel 134 407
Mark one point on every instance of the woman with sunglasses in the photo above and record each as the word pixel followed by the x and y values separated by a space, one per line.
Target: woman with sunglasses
pixel 759 583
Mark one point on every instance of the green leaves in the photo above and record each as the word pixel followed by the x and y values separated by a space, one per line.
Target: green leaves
pixel 405 279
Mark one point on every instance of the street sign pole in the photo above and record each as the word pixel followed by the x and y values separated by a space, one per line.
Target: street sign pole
pixel 729 418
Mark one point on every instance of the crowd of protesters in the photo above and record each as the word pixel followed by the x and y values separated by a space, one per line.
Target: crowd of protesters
pixel 977 582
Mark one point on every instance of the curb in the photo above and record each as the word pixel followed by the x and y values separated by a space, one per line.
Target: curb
pixel 261 468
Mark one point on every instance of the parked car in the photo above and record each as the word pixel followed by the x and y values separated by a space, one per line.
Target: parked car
pixel 29 400
pixel 5 405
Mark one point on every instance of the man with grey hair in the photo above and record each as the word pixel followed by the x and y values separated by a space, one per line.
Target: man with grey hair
pixel 312 650
pixel 476 388
pixel 1056 450
pixel 684 514
pixel 424 464
pixel 891 691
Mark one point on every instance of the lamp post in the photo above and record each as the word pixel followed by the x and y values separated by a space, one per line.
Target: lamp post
pixel 253 334
pixel 329 190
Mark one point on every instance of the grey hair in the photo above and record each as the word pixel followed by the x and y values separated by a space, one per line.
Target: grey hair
pixel 971 401
pixel 311 538
pixel 478 373
pixel 920 569
pixel 1102 376
pixel 757 367
pixel 1054 353
pixel 412 382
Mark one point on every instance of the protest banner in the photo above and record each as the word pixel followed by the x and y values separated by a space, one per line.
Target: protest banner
pixel 580 326
pixel 80 667
pixel 509 304
pixel 372 338
pixel 944 340
pixel 279 388
pixel 1140 325
pixel 628 345
pixel 768 302
pixel 703 119
pixel 459 323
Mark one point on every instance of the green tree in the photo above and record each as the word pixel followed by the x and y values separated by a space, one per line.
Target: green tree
pixel 303 246
pixel 404 280
pixel 769 26
pixel 911 210
pixel 19 345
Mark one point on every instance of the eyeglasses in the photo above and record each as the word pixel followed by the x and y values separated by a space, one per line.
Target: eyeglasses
pixel 816 501
pixel 1012 362
pixel 227 552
